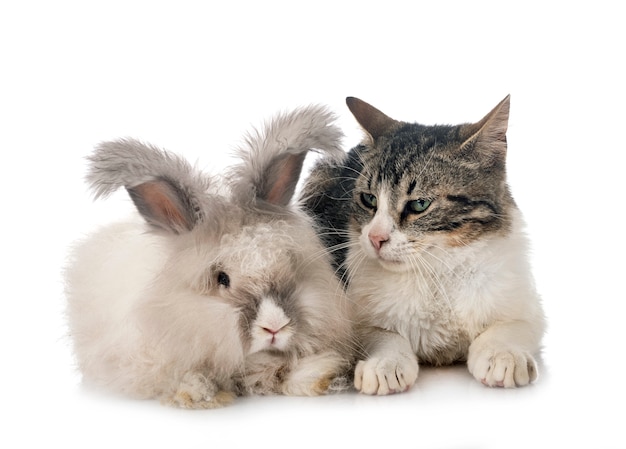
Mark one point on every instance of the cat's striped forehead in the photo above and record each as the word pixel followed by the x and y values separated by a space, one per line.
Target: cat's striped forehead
pixel 411 153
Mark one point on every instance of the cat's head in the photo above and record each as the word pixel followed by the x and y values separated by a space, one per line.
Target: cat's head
pixel 428 189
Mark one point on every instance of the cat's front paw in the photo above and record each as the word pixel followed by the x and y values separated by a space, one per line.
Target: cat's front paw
pixel 386 375
pixel 195 391
pixel 507 368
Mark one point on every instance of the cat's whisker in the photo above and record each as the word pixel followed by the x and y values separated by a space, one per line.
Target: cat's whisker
pixel 437 278
pixel 333 232
pixel 416 267
pixel 351 266
pixel 344 269
pixel 427 163
pixel 426 249
pixel 430 275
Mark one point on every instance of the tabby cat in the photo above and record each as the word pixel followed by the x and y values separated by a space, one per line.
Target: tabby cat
pixel 430 245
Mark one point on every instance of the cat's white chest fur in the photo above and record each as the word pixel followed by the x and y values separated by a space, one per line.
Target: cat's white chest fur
pixel 441 305
pixel 421 310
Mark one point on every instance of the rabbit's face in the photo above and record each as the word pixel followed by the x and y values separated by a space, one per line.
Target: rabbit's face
pixel 255 271
pixel 266 323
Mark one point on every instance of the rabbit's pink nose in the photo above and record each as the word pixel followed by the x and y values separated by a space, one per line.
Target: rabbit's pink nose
pixel 377 240
pixel 273 332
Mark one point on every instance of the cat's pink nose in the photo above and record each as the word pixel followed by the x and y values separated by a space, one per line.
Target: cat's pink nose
pixel 378 240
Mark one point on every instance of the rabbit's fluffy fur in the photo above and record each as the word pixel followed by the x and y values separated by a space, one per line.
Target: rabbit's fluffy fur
pixel 219 286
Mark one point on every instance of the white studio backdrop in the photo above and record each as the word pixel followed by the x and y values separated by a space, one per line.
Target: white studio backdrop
pixel 193 77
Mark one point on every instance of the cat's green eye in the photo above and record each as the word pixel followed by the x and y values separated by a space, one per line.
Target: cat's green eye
pixel 370 201
pixel 417 206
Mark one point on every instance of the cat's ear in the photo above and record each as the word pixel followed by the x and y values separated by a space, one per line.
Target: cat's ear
pixel 487 137
pixel 373 121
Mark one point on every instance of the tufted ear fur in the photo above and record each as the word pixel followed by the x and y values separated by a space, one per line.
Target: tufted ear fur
pixel 165 189
pixel 487 138
pixel 272 160
pixel 373 121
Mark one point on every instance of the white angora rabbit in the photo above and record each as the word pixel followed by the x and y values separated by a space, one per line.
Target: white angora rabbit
pixel 221 287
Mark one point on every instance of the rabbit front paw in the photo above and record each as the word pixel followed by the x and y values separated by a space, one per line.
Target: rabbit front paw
pixel 317 375
pixel 503 367
pixel 195 391
pixel 386 375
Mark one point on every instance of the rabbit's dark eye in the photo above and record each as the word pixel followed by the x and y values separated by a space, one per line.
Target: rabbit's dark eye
pixel 223 279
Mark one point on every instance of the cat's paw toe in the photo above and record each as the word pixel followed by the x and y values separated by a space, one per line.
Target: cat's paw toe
pixel 382 376
pixel 506 369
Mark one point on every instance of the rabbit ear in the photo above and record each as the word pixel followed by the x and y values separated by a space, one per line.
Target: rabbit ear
pixel 164 205
pixel 281 178
pixel 165 189
pixel 273 160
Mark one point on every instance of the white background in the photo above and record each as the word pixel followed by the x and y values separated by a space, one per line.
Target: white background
pixel 194 76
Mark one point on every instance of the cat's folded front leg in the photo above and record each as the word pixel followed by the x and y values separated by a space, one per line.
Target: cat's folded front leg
pixel 502 355
pixel 390 366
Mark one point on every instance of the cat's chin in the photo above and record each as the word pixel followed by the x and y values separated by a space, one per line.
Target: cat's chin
pixel 395 265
